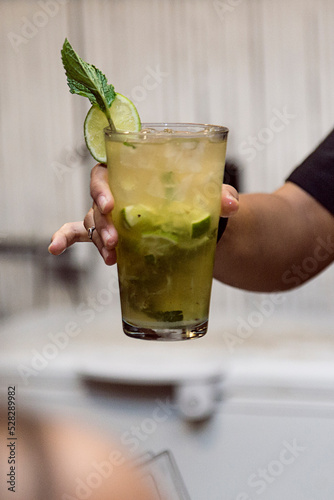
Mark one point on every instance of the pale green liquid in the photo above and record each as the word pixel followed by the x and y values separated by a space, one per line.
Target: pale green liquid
pixel 167 285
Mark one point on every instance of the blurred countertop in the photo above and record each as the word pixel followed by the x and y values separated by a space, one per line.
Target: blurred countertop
pixel 63 343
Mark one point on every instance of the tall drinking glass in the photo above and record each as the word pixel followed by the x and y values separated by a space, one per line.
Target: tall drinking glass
pixel 166 181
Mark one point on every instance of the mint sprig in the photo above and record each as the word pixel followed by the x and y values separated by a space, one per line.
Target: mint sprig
pixel 86 80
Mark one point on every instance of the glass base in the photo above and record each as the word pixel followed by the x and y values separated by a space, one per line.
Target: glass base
pixel 166 334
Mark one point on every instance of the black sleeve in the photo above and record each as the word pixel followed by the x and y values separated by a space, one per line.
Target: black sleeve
pixel 316 174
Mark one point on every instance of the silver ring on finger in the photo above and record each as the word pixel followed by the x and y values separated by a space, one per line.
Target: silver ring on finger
pixel 90 232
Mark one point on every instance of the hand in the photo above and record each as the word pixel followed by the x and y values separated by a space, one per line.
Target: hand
pixel 105 235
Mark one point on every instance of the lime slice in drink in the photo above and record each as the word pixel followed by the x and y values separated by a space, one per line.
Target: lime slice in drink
pixel 136 214
pixel 200 225
pixel 125 117
pixel 158 242
pixel 180 225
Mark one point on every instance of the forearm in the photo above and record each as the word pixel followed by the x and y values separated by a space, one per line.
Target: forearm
pixel 275 242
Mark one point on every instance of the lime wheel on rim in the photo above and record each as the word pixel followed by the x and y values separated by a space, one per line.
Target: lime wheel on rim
pixel 125 117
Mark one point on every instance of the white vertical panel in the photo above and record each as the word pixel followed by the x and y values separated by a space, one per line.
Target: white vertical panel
pixel 37 123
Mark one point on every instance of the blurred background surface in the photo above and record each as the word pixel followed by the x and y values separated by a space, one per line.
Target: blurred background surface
pixel 266 361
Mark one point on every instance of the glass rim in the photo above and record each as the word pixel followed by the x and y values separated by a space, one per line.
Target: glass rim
pixel 180 130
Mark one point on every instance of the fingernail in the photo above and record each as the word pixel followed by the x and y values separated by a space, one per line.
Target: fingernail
pixel 49 249
pixel 231 197
pixel 231 202
pixel 107 238
pixel 102 202
pixel 105 253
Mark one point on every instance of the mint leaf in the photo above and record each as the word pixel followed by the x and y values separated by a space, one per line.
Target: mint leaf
pixel 165 316
pixel 87 80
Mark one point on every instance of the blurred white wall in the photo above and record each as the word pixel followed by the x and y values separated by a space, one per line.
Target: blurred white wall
pixel 236 63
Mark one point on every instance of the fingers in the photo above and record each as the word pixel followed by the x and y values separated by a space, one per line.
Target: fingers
pixel 105 228
pixel 229 201
pixel 99 188
pixel 105 235
pixel 73 232
pixel 69 233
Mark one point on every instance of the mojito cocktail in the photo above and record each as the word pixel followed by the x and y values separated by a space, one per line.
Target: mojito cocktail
pixel 166 181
